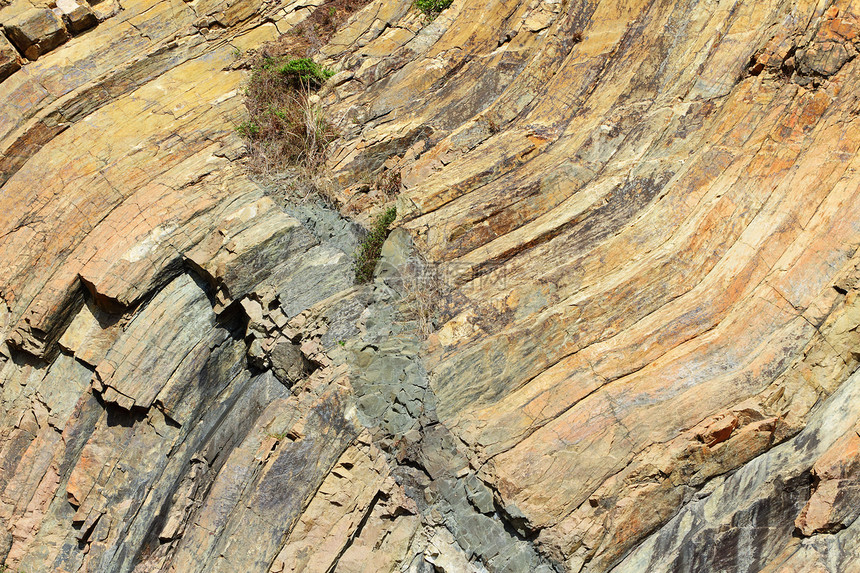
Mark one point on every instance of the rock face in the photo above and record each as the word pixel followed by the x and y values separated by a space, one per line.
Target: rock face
pixel 77 17
pixel 36 32
pixel 10 61
pixel 616 328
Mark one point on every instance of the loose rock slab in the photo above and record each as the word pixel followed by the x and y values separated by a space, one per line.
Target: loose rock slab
pixel 36 32
pixel 78 17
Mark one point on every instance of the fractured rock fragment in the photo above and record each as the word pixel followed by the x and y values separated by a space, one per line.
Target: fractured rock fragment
pixel 288 363
pixel 833 504
pixel 10 61
pixel 36 32
pixel 824 59
pixel 78 17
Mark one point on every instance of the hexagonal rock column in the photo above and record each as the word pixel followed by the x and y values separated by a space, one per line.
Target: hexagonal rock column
pixel 36 32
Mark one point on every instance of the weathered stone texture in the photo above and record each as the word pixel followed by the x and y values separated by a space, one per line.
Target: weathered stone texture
pixel 78 16
pixel 36 32
pixel 10 61
pixel 632 229
pixel 736 526
pixel 640 223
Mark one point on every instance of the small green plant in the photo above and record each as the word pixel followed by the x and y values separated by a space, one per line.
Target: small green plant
pixel 237 53
pixel 371 248
pixel 432 7
pixel 248 129
pixel 304 72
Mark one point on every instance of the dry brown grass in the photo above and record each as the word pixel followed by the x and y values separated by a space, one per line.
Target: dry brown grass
pixel 388 182
pixel 285 126
pixel 286 129
pixel 316 30
pixel 423 299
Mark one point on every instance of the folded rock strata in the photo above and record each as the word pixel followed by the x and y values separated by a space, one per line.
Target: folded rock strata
pixel 636 225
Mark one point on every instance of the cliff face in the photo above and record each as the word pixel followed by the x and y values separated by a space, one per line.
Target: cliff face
pixel 635 223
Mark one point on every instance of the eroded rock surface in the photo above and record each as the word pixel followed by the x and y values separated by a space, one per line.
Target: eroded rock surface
pixel 35 32
pixel 616 327
pixel 10 61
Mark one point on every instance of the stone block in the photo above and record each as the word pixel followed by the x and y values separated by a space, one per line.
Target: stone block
pixel 288 364
pixel 78 17
pixel 10 60
pixel 36 32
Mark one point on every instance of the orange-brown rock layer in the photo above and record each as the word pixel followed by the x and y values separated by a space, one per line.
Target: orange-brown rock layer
pixel 648 209
pixel 642 218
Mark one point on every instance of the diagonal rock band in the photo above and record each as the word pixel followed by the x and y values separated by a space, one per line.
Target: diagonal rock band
pixel 610 322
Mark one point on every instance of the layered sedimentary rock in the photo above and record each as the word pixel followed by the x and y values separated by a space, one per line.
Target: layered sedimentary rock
pixel 615 328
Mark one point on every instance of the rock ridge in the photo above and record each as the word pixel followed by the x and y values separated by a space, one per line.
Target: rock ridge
pixel 615 327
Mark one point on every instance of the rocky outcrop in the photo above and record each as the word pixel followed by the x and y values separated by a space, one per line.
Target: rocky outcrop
pixel 36 32
pixel 744 523
pixel 631 214
pixel 10 61
pixel 616 327
pixel 77 17
pixel 832 505
pixel 37 29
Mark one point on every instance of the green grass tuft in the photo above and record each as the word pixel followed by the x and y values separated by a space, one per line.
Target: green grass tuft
pixel 305 72
pixel 248 129
pixel 371 248
pixel 432 7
